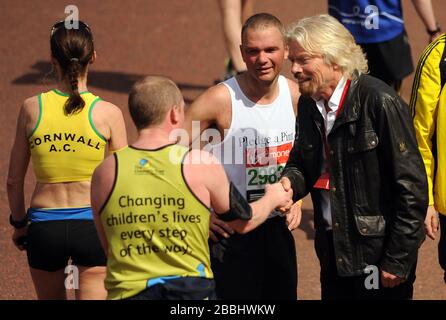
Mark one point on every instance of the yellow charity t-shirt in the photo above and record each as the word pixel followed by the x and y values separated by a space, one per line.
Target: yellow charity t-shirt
pixel 155 226
pixel 65 147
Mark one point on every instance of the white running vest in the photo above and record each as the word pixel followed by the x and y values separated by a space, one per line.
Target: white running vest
pixel 257 145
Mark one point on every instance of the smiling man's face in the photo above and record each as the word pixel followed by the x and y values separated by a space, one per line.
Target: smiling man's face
pixel 315 77
pixel 263 51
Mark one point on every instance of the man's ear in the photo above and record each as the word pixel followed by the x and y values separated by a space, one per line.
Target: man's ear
pixel 286 52
pixel 242 53
pixel 175 114
pixel 93 57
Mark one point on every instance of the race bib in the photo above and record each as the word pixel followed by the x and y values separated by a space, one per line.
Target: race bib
pixel 264 166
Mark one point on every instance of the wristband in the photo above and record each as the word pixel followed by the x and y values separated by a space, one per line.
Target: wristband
pixel 18 224
pixel 434 32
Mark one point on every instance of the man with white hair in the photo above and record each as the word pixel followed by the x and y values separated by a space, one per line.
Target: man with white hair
pixel 357 155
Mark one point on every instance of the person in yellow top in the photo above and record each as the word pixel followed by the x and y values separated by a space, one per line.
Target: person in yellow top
pixel 428 105
pixel 65 132
pixel 151 204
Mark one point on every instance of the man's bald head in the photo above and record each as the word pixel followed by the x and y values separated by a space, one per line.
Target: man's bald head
pixel 151 98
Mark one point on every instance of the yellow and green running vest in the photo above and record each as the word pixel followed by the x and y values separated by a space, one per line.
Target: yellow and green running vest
pixel 65 147
pixel 155 226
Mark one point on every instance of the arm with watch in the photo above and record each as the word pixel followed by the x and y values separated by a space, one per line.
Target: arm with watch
pixel 20 232
pixel 426 13
pixel 18 164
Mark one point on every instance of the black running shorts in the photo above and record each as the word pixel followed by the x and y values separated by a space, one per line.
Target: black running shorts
pixel 52 243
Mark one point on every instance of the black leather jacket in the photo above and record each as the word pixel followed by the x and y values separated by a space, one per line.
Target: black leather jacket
pixel 378 186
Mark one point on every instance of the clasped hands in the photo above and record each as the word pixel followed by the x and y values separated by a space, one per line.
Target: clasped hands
pixel 283 192
pixel 292 211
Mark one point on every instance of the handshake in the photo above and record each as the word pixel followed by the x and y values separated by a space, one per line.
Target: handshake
pixel 277 196
pixel 281 194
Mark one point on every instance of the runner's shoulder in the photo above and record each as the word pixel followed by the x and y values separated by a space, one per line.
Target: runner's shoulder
pixel 30 110
pixel 217 99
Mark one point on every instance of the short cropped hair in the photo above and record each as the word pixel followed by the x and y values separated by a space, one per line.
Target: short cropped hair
pixel 325 35
pixel 151 98
pixel 261 21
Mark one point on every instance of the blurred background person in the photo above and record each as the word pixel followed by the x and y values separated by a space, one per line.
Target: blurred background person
pixel 378 27
pixel 233 14
pixel 428 105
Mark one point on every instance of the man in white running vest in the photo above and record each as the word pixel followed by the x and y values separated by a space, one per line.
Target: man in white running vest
pixel 249 122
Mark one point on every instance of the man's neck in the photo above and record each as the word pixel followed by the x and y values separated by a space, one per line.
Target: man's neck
pixel 258 91
pixel 153 138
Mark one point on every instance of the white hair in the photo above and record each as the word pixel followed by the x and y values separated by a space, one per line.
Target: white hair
pixel 324 35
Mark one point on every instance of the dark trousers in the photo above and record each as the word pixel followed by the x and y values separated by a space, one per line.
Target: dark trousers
pixel 391 60
pixel 442 244
pixel 335 287
pixel 184 288
pixel 258 265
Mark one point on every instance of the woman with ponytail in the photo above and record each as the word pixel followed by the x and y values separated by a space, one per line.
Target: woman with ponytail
pixel 65 132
